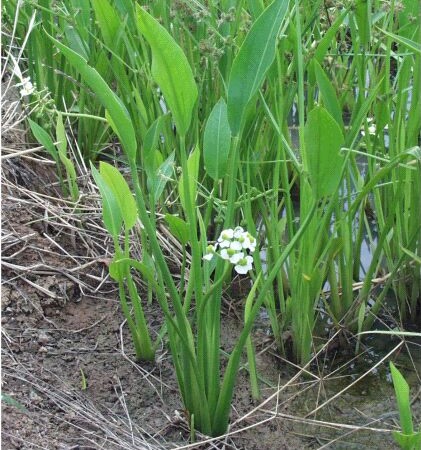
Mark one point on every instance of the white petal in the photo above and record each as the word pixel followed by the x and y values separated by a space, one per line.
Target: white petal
pixel 241 269
pixel 235 245
pixel 226 234
pixel 234 259
pixel 224 254
pixel 208 256
pixel 224 244
pixel 372 129
pixel 238 231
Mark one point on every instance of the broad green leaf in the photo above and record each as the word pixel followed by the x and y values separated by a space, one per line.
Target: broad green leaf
pixel 152 136
pixel 163 175
pixel 117 269
pixel 193 173
pixel 61 136
pixel 329 97
pixel 217 141
pixel 403 400
pixel 170 69
pixel 120 118
pixel 179 228
pixel 323 141
pixel 256 7
pixel 253 61
pixel 122 193
pixel 44 139
pixel 75 41
pixel 108 21
pixel 111 214
pixel 150 145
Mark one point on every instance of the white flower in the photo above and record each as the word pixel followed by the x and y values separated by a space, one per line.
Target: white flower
pixel 236 258
pixel 27 87
pixel 371 128
pixel 210 251
pixel 231 254
pixel 236 245
pixel 238 232
pixel 244 265
pixel 225 238
pixel 247 241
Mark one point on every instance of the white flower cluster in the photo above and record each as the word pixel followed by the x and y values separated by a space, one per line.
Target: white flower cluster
pixel 233 245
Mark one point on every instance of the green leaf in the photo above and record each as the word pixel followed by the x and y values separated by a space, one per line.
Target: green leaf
pixel 44 139
pixel 327 90
pixel 67 162
pixel 61 136
pixel 328 37
pixel 121 192
pixel 416 258
pixel 179 228
pixel 108 21
pixel 150 144
pixel 170 69
pixel 163 175
pixel 193 173
pixel 111 214
pixel 120 118
pixel 253 61
pixel 408 442
pixel 217 141
pixel 403 400
pixel 362 16
pixel 408 43
pixel 256 7
pixel 323 141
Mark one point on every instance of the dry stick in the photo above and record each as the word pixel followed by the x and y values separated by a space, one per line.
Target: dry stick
pixel 339 438
pixel 356 381
pixel 323 423
pixel 124 405
pixel 18 153
pixel 295 377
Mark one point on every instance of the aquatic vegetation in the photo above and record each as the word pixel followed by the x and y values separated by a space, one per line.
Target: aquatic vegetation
pixel 274 140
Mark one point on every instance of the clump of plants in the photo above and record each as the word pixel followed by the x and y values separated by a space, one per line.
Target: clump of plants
pixel 204 112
